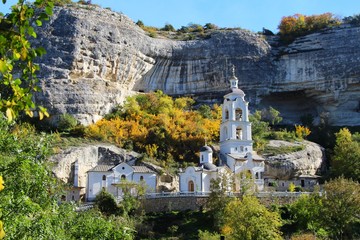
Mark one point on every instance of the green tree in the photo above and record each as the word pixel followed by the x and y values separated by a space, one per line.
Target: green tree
pixel 244 183
pixel 346 157
pixel 218 199
pixel 248 219
pixel 18 78
pixel 106 203
pixel 205 111
pixel 271 115
pixel 341 208
pixel 306 215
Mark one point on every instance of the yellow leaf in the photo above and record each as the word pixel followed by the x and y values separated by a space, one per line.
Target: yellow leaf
pixel 9 114
pixel 41 115
pixel 29 112
pixel 1 183
pixel 23 53
pixel 2 233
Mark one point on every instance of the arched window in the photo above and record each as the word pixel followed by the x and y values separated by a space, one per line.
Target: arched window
pixel 239 133
pixel 226 114
pixel 141 178
pixel 191 186
pixel 226 136
pixel 123 177
pixel 202 158
pixel 238 114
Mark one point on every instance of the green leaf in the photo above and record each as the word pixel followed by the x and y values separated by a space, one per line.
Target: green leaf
pixel 40 51
pixel 4 1
pixel 38 22
pixel 48 10
pixel 17 81
pixel 3 67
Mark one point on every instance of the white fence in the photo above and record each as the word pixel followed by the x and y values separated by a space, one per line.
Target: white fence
pixel 231 194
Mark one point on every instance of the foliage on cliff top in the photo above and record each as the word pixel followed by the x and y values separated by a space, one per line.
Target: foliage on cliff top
pixel 298 25
pixel 192 31
pixel 164 128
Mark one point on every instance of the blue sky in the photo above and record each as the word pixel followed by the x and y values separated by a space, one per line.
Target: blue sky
pixel 249 14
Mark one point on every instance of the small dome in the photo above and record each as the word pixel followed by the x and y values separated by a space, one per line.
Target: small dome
pixel 238 91
pixel 206 149
pixel 209 166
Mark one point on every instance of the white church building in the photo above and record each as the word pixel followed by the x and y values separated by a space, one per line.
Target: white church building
pixel 236 151
pixel 113 179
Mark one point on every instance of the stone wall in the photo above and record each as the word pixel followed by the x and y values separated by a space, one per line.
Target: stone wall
pixel 195 203
pixel 167 204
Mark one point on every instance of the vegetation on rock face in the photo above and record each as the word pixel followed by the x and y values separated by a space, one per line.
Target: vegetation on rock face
pixel 298 25
pixel 164 128
pixel 353 20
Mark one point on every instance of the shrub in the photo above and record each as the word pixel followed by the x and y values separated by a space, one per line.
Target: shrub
pixel 210 26
pixel 301 131
pixel 291 187
pixel 66 123
pixel 353 20
pixel 168 28
pixel 298 25
pixel 106 203
pixel 283 135
pixel 140 23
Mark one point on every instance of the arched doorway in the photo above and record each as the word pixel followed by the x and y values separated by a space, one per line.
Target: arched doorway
pixel 191 186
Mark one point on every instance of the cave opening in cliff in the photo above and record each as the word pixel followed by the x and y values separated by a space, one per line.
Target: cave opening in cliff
pixel 291 105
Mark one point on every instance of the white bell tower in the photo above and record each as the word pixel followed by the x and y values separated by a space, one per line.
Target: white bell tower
pixel 235 128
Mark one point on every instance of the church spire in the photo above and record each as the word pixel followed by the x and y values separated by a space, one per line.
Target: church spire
pixel 233 80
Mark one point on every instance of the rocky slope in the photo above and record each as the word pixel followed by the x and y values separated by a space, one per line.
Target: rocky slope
pixel 97 57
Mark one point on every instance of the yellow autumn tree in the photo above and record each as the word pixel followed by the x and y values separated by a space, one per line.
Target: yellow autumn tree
pixel 163 127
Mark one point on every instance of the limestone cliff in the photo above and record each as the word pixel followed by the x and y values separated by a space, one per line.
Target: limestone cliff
pixel 97 57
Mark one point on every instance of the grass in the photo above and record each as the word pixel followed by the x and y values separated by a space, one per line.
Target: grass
pixel 272 151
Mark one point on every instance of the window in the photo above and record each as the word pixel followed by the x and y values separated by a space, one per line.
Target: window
pixel 202 158
pixel 238 114
pixel 123 177
pixel 141 178
pixel 103 177
pixel 239 133
pixel 226 114
pixel 191 186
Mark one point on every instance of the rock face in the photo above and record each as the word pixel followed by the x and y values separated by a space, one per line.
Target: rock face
pixel 310 161
pixel 87 157
pixel 97 57
pixel 90 156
